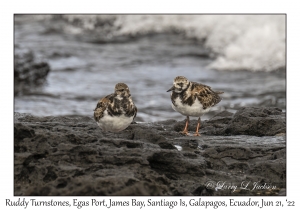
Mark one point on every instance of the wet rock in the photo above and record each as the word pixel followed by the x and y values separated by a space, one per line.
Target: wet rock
pixel 29 73
pixel 142 188
pixel 151 135
pixel 72 156
pixel 282 192
pixel 177 163
pixel 202 190
pixel 22 131
pixel 166 145
pixel 255 121
pixel 221 118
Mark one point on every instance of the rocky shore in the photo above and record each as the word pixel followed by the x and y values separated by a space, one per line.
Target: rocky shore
pixel 71 156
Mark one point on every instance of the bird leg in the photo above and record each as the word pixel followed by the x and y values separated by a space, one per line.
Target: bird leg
pixel 185 131
pixel 198 126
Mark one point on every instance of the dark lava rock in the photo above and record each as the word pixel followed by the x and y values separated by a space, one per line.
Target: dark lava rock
pixel 28 72
pixel 257 121
pixel 72 156
pixel 254 121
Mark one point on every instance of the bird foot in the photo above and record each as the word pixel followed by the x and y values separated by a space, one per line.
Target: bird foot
pixel 186 133
pixel 197 134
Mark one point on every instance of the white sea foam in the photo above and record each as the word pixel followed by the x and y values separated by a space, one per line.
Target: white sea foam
pixel 251 42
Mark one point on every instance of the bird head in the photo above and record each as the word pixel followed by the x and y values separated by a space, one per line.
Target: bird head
pixel 180 83
pixel 122 90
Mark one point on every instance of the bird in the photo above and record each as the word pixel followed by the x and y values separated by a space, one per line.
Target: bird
pixel 192 99
pixel 115 112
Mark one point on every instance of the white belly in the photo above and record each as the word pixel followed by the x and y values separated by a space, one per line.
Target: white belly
pixel 196 110
pixel 114 124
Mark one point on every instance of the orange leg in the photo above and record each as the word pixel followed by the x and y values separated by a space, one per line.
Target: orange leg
pixel 198 126
pixel 185 131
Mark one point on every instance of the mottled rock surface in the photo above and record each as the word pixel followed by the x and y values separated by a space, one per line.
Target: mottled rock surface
pixel 254 121
pixel 72 156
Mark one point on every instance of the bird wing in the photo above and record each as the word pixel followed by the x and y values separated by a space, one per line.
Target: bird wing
pixel 131 110
pixel 206 95
pixel 100 108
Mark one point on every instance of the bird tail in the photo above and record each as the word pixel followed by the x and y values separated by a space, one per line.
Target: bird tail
pixel 219 92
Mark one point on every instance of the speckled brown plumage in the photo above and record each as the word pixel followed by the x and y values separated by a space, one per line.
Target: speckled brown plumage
pixel 203 93
pixel 192 99
pixel 206 94
pixel 100 108
pixel 115 108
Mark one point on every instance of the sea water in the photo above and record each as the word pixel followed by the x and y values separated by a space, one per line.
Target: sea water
pixel 242 55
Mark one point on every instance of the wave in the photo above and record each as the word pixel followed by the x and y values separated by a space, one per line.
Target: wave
pixel 237 42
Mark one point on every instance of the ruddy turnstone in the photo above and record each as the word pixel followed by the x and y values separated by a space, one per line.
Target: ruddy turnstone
pixel 116 111
pixel 192 99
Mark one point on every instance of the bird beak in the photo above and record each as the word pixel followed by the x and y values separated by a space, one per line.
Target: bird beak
pixel 171 89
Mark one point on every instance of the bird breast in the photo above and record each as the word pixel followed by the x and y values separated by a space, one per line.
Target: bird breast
pixel 114 123
pixel 195 110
